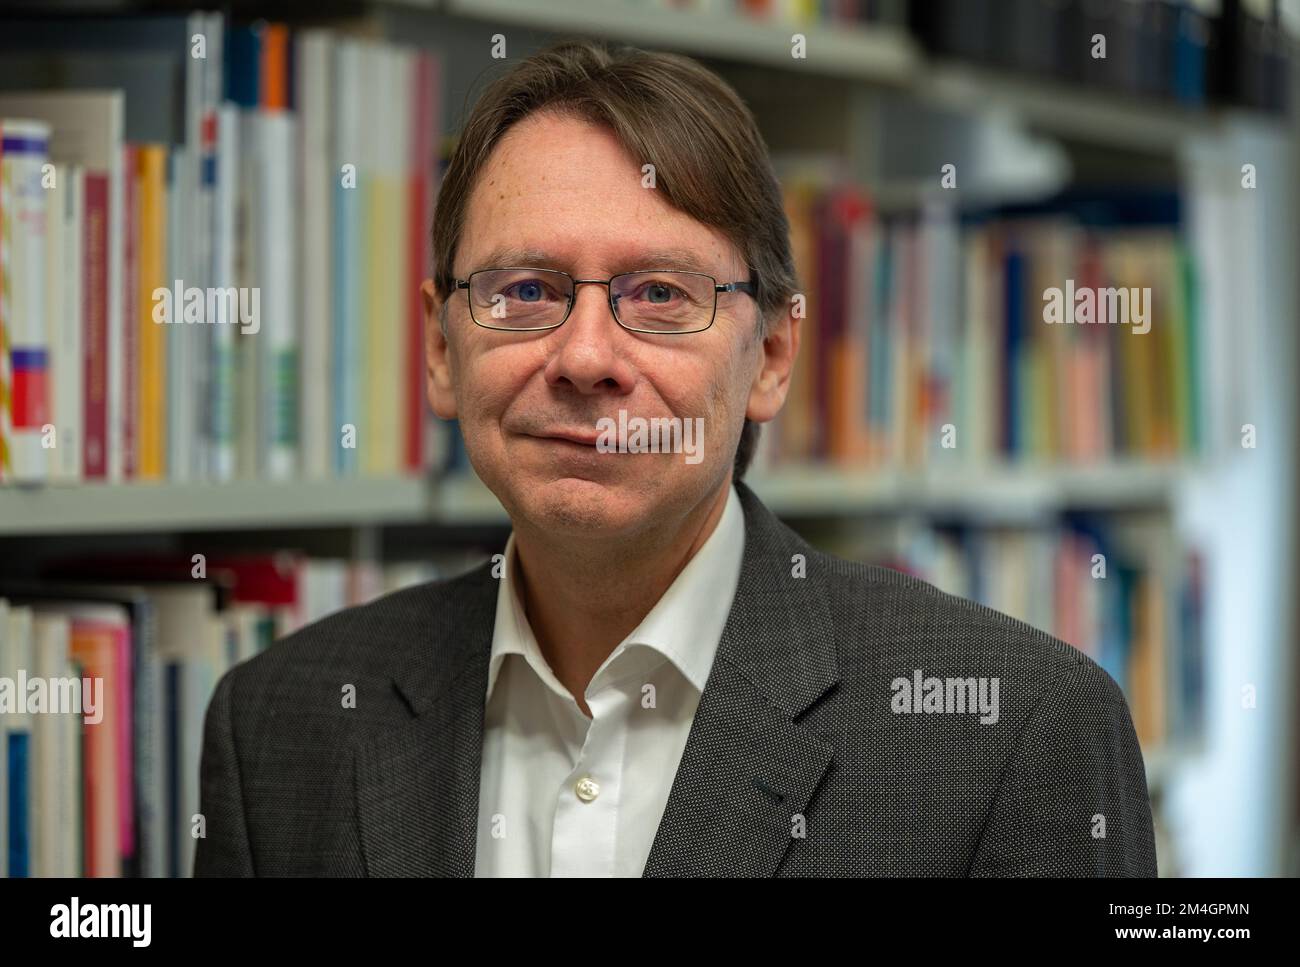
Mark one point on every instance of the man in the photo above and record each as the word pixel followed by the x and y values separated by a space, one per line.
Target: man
pixel 658 677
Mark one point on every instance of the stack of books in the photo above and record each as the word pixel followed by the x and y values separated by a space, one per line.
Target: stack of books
pixel 211 251
pixel 106 672
pixel 1063 334
pixel 1190 52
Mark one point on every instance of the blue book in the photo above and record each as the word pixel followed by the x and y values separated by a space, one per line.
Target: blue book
pixel 1014 269
pixel 172 690
pixel 18 782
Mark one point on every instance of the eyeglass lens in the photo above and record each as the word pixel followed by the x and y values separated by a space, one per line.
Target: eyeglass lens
pixel 656 301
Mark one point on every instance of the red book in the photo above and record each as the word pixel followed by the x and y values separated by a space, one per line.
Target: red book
pixel 99 644
pixel 130 317
pixel 95 333
pixel 426 128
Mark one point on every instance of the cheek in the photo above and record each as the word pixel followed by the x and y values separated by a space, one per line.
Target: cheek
pixel 492 378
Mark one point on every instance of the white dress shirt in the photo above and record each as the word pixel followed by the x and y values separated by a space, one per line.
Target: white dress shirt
pixel 561 794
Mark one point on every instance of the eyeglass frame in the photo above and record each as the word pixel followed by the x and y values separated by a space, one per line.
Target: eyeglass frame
pixel 748 287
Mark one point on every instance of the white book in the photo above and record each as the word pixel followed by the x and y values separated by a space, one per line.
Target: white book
pixel 53 833
pixel 24 401
pixel 204 666
pixel 278 323
pixel 223 413
pixel 66 321
pixel 249 443
pixel 316 185
pixel 203 92
pixel 86 128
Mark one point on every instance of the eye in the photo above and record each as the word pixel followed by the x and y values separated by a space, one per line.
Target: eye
pixel 658 293
pixel 526 290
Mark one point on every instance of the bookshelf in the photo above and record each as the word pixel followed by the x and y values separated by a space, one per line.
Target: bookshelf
pixel 877 53
pixel 994 494
pixel 239 505
pixel 838 96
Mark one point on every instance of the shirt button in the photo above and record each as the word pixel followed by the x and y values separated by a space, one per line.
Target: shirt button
pixel 587 789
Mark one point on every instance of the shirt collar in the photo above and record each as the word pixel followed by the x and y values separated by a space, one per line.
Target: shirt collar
pixel 684 625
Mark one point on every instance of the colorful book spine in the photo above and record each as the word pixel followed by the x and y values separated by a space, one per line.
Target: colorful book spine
pixel 95 646
pixel 24 347
pixel 130 343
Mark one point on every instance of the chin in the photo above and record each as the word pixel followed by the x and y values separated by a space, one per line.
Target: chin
pixel 578 505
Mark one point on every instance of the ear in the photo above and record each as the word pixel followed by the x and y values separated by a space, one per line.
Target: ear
pixel 772 381
pixel 437 362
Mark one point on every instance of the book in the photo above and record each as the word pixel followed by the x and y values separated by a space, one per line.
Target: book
pixel 24 342
pixel 86 129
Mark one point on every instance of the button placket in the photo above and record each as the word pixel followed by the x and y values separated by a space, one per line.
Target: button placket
pixel 586 813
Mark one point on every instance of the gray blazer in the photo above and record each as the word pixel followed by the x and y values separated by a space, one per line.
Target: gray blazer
pixel 801 760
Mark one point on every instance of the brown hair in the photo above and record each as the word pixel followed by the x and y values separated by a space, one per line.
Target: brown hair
pixel 710 160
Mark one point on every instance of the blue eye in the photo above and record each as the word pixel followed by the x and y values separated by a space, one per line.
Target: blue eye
pixel 527 291
pixel 658 293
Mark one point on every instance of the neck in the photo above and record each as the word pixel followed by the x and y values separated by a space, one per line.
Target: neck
pixel 582 601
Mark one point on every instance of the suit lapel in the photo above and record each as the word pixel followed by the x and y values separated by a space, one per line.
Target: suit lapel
pixel 417 785
pixel 748 768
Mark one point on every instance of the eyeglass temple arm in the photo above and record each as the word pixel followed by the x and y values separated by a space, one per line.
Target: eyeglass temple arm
pixel 749 288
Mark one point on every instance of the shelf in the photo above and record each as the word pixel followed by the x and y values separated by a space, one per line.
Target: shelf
pixel 860 52
pixel 144 508
pixel 876 53
pixel 995 494
pixel 1067 110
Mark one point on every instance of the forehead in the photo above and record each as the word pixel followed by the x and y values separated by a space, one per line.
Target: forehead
pixel 566 189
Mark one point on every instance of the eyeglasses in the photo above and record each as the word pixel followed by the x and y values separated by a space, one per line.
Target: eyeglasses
pixel 652 301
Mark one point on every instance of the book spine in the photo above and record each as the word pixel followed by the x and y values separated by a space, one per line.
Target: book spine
pixel 93 646
pixel 95 262
pixel 24 388
pixel 222 424
pixel 315 230
pixel 151 261
pixel 419 254
pixel 130 313
pixel 67 371
pixel 181 406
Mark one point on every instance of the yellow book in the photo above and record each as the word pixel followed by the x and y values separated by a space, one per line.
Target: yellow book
pixel 151 175
pixel 1122 271
pixel 384 287
pixel 1147 663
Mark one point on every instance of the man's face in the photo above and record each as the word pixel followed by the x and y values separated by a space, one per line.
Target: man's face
pixel 529 402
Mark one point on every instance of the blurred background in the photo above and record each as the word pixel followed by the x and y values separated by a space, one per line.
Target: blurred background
pixel 175 497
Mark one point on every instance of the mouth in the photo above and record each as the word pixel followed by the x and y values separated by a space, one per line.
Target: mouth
pixel 576 437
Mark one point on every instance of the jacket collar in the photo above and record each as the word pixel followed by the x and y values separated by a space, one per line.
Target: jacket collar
pixel 746 770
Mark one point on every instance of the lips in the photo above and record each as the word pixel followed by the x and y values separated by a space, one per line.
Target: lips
pixel 581 437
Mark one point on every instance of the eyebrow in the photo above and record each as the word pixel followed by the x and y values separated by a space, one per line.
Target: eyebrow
pixel 539 258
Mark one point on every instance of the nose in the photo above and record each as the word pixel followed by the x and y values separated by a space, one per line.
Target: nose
pixel 588 352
